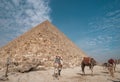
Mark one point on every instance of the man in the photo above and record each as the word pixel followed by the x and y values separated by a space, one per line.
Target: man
pixel 57 60
pixel 58 63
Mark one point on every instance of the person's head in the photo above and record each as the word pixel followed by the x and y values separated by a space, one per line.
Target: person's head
pixel 57 56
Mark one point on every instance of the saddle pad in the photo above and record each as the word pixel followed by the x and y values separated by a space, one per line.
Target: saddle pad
pixel 111 61
pixel 86 60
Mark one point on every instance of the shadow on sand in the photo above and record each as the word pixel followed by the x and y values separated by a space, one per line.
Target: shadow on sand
pixel 117 80
pixel 87 74
pixel 104 72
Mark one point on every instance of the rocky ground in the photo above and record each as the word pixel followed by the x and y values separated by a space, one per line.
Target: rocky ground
pixel 67 75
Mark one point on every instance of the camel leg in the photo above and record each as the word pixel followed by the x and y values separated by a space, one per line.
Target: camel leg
pixel 91 68
pixel 111 70
pixel 83 67
pixel 114 67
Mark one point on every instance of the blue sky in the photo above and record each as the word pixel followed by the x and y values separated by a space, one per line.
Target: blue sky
pixel 93 25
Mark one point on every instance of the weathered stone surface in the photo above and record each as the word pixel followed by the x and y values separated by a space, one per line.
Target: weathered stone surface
pixel 39 46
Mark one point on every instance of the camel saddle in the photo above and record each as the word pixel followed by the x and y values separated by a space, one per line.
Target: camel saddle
pixel 111 61
pixel 86 60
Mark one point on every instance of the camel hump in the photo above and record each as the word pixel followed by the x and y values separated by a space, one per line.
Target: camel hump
pixel 86 60
pixel 111 61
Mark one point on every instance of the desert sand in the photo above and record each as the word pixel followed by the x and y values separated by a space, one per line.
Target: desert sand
pixel 73 74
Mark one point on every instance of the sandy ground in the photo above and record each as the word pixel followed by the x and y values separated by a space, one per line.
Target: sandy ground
pixel 67 75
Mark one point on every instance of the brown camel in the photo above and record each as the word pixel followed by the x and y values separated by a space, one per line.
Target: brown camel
pixel 87 61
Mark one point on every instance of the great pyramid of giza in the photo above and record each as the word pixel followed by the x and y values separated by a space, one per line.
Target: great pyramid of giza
pixel 39 46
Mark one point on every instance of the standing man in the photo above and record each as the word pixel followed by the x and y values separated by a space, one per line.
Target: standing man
pixel 58 63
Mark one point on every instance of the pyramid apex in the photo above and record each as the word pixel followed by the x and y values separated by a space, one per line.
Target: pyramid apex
pixel 46 21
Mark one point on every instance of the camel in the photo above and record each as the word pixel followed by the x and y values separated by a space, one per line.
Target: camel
pixel 87 61
pixel 111 66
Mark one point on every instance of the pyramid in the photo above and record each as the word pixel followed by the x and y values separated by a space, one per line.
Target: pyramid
pixel 40 45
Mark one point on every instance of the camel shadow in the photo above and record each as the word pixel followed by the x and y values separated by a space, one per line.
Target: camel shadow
pixel 87 74
pixel 115 80
pixel 104 72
